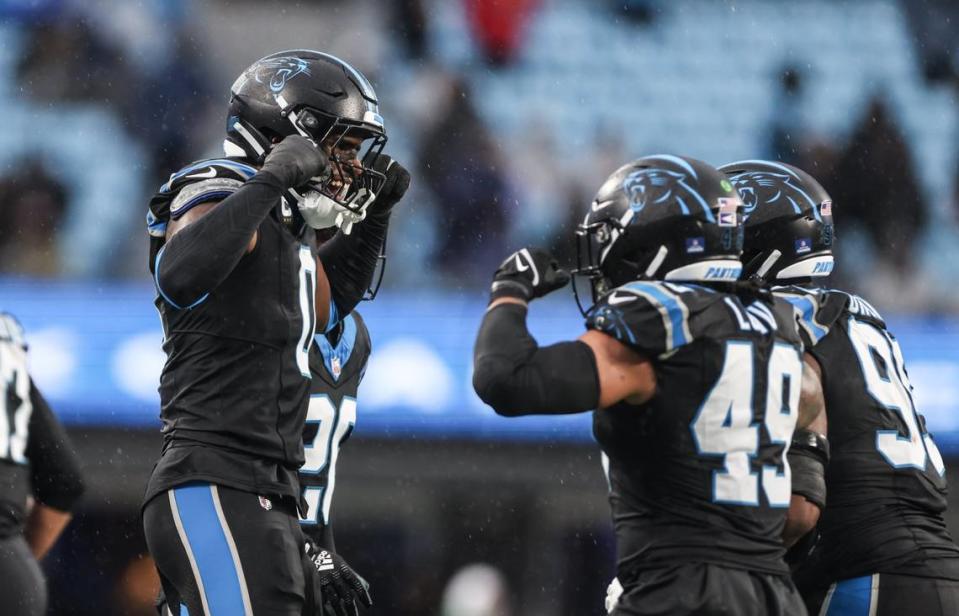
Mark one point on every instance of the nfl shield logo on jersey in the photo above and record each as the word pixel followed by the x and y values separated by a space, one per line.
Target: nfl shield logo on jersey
pixel 335 367
pixel 266 503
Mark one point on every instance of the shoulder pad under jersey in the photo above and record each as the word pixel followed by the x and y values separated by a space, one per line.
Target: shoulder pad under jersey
pixel 817 310
pixel 203 181
pixel 651 317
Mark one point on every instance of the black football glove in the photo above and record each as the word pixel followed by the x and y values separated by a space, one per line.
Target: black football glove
pixel 337 588
pixel 527 274
pixel 397 182
pixel 295 161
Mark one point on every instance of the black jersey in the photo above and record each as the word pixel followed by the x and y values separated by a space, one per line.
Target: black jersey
pixel 36 457
pixel 234 389
pixel 885 484
pixel 699 473
pixel 337 363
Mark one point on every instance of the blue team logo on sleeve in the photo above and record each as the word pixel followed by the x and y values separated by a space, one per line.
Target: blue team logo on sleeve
pixel 803 245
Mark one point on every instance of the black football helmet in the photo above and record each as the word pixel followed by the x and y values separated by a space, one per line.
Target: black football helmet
pixel 661 217
pixel 321 97
pixel 789 229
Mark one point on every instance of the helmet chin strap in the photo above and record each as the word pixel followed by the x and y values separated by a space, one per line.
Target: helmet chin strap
pixel 768 264
pixel 657 262
pixel 249 138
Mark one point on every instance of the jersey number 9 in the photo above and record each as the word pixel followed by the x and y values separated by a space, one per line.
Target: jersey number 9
pixel 724 425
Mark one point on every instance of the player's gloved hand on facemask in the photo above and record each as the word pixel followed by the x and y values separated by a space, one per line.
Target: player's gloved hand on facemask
pixel 396 185
pixel 339 588
pixel 295 161
pixel 527 274
pixel 613 592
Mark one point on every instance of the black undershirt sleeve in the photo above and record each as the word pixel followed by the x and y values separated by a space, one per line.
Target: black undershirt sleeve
pixel 516 376
pixel 197 259
pixel 54 466
pixel 350 260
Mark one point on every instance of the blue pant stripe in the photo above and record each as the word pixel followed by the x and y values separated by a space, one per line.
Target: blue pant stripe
pixel 851 597
pixel 214 561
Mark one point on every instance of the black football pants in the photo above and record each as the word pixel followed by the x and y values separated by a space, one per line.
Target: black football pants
pixel 225 552
pixel 23 590
pixel 887 594
pixel 708 590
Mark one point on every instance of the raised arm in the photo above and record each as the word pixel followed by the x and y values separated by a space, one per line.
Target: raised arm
pixel 206 243
pixel 348 260
pixel 516 376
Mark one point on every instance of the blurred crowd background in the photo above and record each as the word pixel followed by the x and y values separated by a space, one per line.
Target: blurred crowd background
pixel 509 113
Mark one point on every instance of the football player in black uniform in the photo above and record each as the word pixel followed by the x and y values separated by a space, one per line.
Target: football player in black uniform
pixel 337 363
pixel 38 462
pixel 242 287
pixel 883 546
pixel 696 381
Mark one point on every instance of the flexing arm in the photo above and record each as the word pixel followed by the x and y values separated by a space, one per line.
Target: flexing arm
pixel 348 263
pixel 516 376
pixel 206 244
pixel 349 260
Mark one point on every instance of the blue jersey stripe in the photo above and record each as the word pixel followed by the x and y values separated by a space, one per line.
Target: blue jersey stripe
pixel 208 542
pixel 343 349
pixel 675 311
pixel 156 279
pixel 807 309
pixel 333 318
pixel 851 597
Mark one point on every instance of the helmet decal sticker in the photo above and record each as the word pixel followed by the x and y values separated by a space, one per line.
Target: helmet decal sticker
pixel 654 186
pixel 275 72
pixel 748 183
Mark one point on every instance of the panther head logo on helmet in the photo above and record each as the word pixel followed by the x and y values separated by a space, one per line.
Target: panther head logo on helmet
pixel 277 71
pixel 778 185
pixel 651 186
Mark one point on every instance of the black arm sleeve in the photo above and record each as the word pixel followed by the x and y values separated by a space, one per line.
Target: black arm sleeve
pixel 350 260
pixel 54 466
pixel 808 456
pixel 516 376
pixel 198 258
